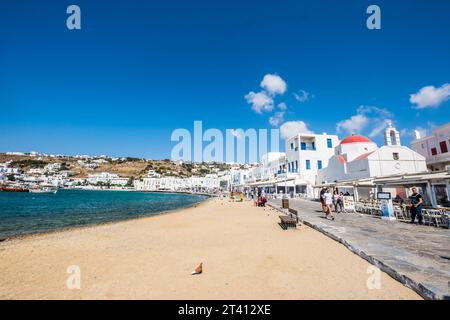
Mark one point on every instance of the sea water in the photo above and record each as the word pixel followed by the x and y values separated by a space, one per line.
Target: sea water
pixel 25 213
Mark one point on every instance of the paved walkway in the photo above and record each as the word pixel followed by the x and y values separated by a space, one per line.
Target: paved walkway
pixel 417 256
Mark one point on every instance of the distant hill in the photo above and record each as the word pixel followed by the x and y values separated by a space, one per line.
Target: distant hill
pixel 126 167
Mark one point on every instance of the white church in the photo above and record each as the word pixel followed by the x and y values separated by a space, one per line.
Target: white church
pixel 357 157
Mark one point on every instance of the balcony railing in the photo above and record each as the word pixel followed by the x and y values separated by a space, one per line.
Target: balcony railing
pixel 288 171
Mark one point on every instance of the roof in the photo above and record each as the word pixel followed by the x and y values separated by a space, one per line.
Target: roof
pixel 355 138
pixel 413 178
pixel 363 156
pixel 340 158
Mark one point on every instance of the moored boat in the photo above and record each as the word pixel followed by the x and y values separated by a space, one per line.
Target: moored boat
pixel 13 189
pixel 44 190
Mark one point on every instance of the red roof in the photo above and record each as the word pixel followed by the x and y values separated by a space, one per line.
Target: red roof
pixel 363 156
pixel 355 138
pixel 340 158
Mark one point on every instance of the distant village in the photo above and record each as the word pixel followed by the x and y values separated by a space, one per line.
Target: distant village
pixel 34 169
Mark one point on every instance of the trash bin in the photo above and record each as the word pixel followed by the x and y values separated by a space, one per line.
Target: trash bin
pixel 285 203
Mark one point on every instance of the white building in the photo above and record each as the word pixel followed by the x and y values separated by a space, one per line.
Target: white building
pixel 107 178
pixel 306 154
pixel 293 171
pixel 238 178
pixel 153 174
pixel 357 157
pixel 52 167
pixel 9 170
pixel 38 171
pixel 209 183
pixel 435 147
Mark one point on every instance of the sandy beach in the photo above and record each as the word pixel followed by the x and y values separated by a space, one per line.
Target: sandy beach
pixel 245 255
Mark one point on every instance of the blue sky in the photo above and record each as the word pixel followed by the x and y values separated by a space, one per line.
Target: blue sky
pixel 136 71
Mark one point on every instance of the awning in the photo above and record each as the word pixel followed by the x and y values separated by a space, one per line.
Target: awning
pixel 413 178
pixel 268 182
pixel 348 183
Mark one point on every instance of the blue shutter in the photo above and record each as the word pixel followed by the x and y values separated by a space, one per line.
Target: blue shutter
pixel 329 143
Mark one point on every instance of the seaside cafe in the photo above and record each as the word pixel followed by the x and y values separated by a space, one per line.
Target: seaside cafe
pixel 434 187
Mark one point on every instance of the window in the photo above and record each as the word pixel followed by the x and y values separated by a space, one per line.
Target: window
pixel 319 164
pixel 395 156
pixel 308 165
pixel 292 146
pixel 443 146
pixel 296 165
pixel 433 151
pixel 329 143
pixel 313 146
pixel 303 146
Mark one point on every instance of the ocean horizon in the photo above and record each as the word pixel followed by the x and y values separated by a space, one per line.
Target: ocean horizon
pixel 28 213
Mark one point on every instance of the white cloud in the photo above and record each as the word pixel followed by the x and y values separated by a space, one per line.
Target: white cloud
pixel 380 112
pixel 371 118
pixel 422 132
pixel 276 119
pixel 302 96
pixel 292 128
pixel 379 128
pixel 260 101
pixel 282 106
pixel 273 84
pixel 355 124
pixel 430 96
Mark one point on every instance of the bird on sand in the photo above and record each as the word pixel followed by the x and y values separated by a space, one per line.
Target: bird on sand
pixel 198 270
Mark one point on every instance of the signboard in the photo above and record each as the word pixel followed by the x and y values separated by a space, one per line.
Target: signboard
pixel 386 206
pixel 384 196
pixel 349 204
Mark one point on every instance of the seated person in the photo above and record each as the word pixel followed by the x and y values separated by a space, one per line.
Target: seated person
pixel 262 202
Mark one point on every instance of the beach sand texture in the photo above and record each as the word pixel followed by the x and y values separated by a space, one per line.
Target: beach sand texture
pixel 245 255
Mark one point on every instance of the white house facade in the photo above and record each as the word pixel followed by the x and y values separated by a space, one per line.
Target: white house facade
pixel 107 178
pixel 435 147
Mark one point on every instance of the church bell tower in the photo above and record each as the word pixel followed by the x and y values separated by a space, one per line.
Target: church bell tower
pixel 391 136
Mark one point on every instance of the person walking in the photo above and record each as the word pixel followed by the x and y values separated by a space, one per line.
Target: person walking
pixel 416 206
pixel 328 202
pixel 341 202
pixel 322 199
pixel 335 200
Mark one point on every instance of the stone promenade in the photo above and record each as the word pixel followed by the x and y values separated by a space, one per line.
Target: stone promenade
pixel 417 256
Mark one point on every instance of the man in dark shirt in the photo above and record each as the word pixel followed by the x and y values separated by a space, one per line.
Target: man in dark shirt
pixel 416 206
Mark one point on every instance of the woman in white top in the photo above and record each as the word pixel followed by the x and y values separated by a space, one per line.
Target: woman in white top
pixel 328 197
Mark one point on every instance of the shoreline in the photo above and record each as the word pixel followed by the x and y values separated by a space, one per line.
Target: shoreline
pixel 152 258
pixel 96 224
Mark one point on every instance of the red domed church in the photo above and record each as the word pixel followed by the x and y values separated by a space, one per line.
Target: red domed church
pixel 358 157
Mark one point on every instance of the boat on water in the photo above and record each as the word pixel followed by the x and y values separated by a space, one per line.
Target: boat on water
pixel 13 189
pixel 44 190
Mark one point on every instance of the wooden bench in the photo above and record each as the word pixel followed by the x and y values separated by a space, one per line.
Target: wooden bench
pixel 290 220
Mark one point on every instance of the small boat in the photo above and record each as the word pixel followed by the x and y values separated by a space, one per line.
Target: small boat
pixel 44 190
pixel 14 189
